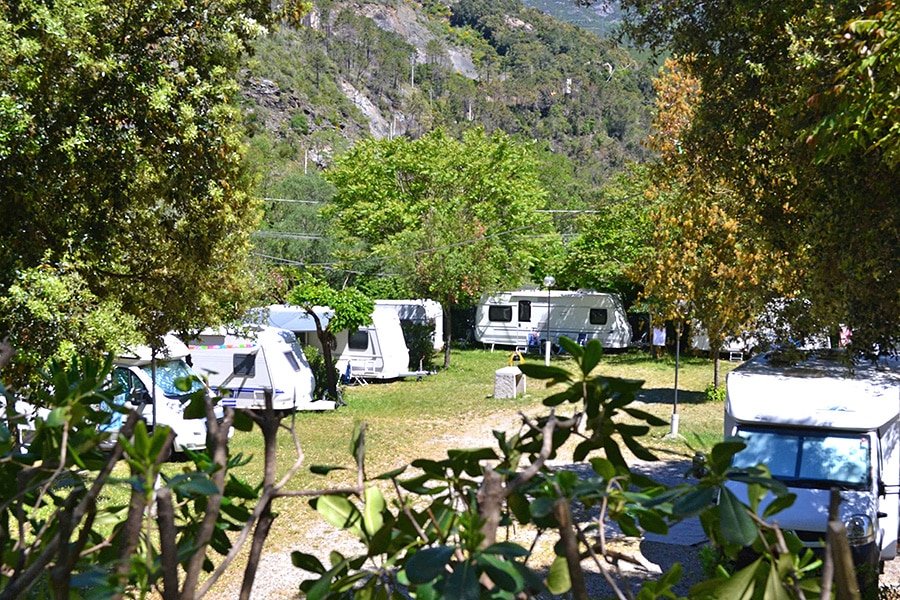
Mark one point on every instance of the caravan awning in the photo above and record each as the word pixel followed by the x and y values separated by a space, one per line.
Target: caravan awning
pixel 294 318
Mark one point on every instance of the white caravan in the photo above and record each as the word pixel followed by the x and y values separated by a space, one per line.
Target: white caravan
pixel 772 329
pixel 818 425
pixel 156 388
pixel 420 312
pixel 245 369
pixel 376 351
pixel 520 318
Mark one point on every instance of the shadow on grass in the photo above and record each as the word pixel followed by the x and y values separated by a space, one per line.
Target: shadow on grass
pixel 667 396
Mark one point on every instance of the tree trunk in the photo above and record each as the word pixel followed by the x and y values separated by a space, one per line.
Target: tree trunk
pixel 448 333
pixel 714 350
pixel 269 425
pixel 324 339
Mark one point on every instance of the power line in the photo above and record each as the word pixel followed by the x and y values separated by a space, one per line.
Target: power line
pixel 298 263
pixel 334 265
pixel 288 234
pixel 293 201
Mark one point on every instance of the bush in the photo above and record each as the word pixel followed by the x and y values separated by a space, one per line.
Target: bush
pixel 299 123
pixel 317 364
pixel 421 347
pixel 714 394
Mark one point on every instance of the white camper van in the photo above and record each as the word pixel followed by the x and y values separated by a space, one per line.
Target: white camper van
pixel 244 369
pixel 376 351
pixel 420 312
pixel 816 425
pixel 155 387
pixel 520 318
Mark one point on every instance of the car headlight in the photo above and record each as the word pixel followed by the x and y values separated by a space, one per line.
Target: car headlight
pixel 859 530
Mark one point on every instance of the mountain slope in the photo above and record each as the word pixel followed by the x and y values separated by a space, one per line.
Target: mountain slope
pixel 390 68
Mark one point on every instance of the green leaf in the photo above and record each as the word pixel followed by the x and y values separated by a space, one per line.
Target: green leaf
pixel 196 405
pixel 373 512
pixel 569 346
pixel 737 526
pixel 779 504
pixel 428 563
pixel 307 562
pixel 543 506
pixel 652 522
pixel 324 469
pixel 463 583
pixel 391 474
pixel 593 352
pixel 338 511
pixel 694 502
pixel 520 507
pixel 357 443
pixel 539 371
pixel 510 549
pixel 722 453
pixel 570 395
pixel 242 421
pixel 603 468
pixel 558 580
pixel 502 572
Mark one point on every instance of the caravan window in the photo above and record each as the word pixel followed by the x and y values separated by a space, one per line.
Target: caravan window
pixel 292 360
pixel 500 313
pixel 244 365
pixel 359 340
pixel 525 310
pixel 598 316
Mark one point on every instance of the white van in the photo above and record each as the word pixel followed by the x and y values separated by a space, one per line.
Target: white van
pixel 818 425
pixel 154 385
pixel 420 312
pixel 520 318
pixel 377 351
pixel 244 370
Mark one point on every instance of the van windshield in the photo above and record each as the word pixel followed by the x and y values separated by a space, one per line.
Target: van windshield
pixel 809 459
pixel 168 374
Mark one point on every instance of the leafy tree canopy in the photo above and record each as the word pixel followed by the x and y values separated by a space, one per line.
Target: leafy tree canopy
pixel 453 218
pixel 121 157
pixel 768 79
pixel 351 309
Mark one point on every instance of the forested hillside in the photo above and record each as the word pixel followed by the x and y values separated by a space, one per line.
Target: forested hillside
pixel 393 69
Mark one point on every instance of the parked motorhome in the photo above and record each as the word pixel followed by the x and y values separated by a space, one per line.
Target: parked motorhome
pixel 376 351
pixel 262 361
pixel 520 318
pixel 155 384
pixel 819 425
pixel 420 312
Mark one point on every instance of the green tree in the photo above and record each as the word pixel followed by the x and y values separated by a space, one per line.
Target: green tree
pixel 39 307
pixel 349 307
pixel 702 265
pixel 453 218
pixel 121 156
pixel 292 229
pixel 609 237
pixel 780 89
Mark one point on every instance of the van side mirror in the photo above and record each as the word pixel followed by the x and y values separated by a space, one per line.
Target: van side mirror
pixel 139 397
pixel 698 468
